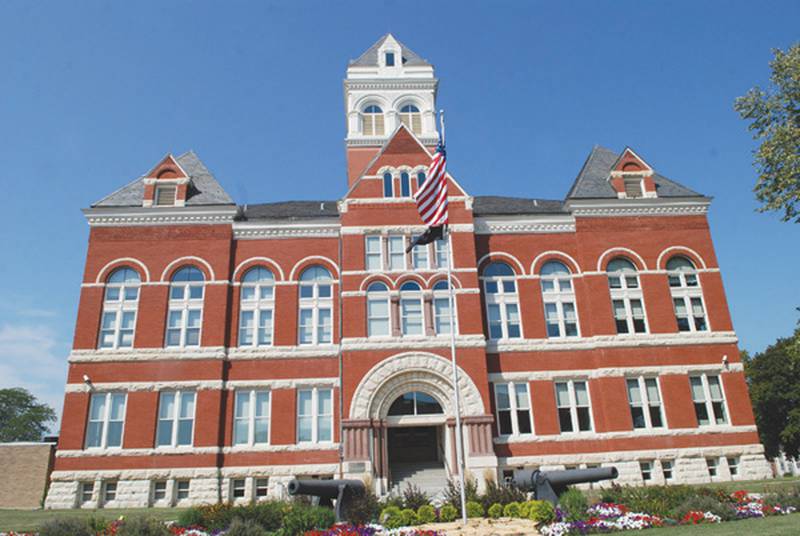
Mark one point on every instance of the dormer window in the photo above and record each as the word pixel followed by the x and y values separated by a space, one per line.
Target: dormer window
pixel 390 59
pixel 165 195
pixel 633 186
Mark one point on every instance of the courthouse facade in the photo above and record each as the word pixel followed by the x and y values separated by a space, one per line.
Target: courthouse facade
pixel 221 350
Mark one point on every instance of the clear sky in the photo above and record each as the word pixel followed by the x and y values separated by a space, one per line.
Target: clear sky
pixel 92 94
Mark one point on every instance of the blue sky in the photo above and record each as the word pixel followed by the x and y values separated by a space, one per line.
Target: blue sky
pixel 94 93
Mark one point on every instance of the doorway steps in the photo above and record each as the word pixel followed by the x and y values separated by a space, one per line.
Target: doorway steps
pixel 430 477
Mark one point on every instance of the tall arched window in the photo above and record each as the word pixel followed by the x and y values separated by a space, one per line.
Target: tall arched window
pixel 626 296
pixel 120 303
pixel 411 118
pixel 687 296
pixel 257 305
pixel 441 308
pixel 185 307
pixel 388 185
pixel 378 307
pixel 412 321
pixel 405 184
pixel 559 300
pixel 420 179
pixel 372 121
pixel 502 303
pixel 316 306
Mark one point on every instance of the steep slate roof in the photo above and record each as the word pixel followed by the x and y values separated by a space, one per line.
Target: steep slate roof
pixel 493 204
pixel 205 190
pixel 592 181
pixel 289 210
pixel 370 57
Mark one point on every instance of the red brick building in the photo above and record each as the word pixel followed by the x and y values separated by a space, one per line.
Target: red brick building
pixel 221 350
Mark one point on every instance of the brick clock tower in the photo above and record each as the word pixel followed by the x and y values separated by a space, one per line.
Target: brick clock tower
pixel 221 350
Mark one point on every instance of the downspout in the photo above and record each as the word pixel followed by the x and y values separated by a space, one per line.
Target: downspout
pixel 341 359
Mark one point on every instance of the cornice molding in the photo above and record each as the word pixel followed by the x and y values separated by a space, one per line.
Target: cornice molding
pixel 638 207
pixel 525 225
pixel 254 231
pixel 612 341
pixel 366 84
pixel 135 216
pixel 614 372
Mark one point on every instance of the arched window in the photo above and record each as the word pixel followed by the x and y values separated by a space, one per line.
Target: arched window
pixel 415 403
pixel 411 317
pixel 687 296
pixel 559 300
pixel 378 307
pixel 502 303
pixel 372 121
pixel 316 306
pixel 257 305
pixel 120 303
pixel 441 308
pixel 185 307
pixel 388 185
pixel 626 296
pixel 411 118
pixel 420 179
pixel 405 185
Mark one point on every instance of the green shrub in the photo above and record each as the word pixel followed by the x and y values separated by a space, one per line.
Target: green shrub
pixel 426 514
pixel 495 511
pixel 363 508
pixel 574 504
pixel 191 517
pixel 511 509
pixel 65 526
pixel 474 509
pixel 408 517
pixel 501 494
pixel 524 509
pixel 142 526
pixel 210 516
pixel 448 513
pixel 301 518
pixel 541 511
pixel 452 493
pixel 657 500
pixel 390 517
pixel 241 527
pixel 705 503
pixel 413 497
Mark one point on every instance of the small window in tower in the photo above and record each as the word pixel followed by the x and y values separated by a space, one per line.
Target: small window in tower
pixel 633 186
pixel 165 196
pixel 390 59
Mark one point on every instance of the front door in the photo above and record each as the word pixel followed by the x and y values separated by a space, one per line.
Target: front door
pixel 413 444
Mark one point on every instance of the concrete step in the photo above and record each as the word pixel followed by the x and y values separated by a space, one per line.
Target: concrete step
pixel 429 477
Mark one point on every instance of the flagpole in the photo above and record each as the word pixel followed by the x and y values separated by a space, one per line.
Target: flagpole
pixel 451 300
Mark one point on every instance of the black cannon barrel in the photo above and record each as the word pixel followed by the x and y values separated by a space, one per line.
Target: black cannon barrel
pixel 328 489
pixel 579 476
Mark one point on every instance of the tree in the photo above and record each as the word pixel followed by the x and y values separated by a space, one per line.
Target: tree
pixel 22 416
pixel 774 379
pixel 774 116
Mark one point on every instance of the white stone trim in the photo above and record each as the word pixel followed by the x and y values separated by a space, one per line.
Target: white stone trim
pixel 632 434
pixel 283 352
pixel 189 259
pixel 293 275
pixel 554 254
pixel 144 216
pixel 385 229
pixel 146 354
pixel 160 451
pixel 503 254
pixel 292 383
pixel 253 230
pixel 677 250
pixel 607 372
pixel 551 223
pixel 256 261
pixel 638 207
pixel 397 200
pixel 120 262
pixel 621 252
pixel 612 341
pixel 298 447
pixel 421 342
pixel 199 385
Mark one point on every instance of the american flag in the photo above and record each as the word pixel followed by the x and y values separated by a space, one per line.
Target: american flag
pixel 432 197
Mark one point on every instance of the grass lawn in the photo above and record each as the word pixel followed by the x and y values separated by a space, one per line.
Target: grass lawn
pixel 770 526
pixel 29 520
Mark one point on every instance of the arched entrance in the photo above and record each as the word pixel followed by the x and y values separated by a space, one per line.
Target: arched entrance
pixel 402 421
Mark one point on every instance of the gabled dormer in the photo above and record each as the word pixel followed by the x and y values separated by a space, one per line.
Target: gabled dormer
pixel 166 185
pixel 631 177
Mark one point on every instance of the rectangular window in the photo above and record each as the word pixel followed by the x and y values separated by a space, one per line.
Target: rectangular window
pixel 159 490
pixel 390 59
pixel 109 491
pixel 629 315
pixel 87 491
pixel 574 409
pixel 709 400
pixel 646 469
pixel 645 403
pixel 106 420
pixel 419 256
pixel 182 488
pixel 712 464
pixel 441 313
pixel 314 415
pixel 372 247
pixel 322 327
pixel 116 329
pixel 397 253
pixel 442 251
pixel 165 196
pixel 667 468
pixel 251 418
pixel 733 465
pixel 261 486
pixel 561 319
pixel 633 187
pixel 513 408
pixel 411 316
pixel 237 488
pixel 378 323
pixel 690 313
pixel 183 327
pixel 175 419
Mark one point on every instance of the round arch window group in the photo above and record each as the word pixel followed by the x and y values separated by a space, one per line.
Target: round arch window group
pixel 373 122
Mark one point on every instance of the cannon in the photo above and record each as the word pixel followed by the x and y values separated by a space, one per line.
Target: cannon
pixel 548 485
pixel 343 491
